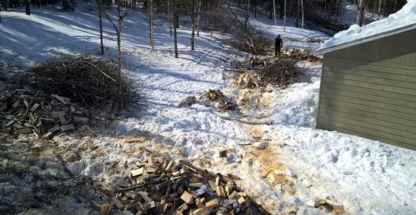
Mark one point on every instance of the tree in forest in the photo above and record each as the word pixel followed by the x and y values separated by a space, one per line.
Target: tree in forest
pixel 360 13
pixel 151 27
pixel 274 11
pixel 27 6
pixel 198 19
pixel 100 20
pixel 4 3
pixel 117 24
pixel 193 17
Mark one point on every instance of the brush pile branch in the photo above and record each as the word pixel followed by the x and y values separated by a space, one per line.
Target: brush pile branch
pixel 252 41
pixel 90 81
pixel 268 70
pixel 281 73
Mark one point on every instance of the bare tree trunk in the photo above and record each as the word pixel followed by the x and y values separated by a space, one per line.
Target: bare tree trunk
pixel 170 16
pixel 297 13
pixel 360 13
pixel 193 11
pixel 394 8
pixel 100 19
pixel 284 19
pixel 151 30
pixel 27 7
pixel 215 17
pixel 198 18
pixel 247 16
pixel 274 11
pixel 120 20
pixel 175 35
pixel 384 8
pixel 379 9
pixel 175 39
pixel 303 13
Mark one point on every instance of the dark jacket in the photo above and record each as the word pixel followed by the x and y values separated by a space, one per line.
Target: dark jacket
pixel 278 42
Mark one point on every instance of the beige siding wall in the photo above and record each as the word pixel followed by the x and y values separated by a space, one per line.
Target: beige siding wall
pixel 369 90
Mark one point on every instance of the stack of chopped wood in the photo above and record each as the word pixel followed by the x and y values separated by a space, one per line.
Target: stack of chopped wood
pixel 301 54
pixel 24 112
pixel 212 95
pixel 163 187
pixel 217 96
pixel 248 79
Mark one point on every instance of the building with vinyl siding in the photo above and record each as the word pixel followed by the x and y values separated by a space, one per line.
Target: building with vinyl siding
pixel 368 87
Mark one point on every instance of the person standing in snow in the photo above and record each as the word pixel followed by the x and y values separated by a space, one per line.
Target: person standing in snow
pixel 278 43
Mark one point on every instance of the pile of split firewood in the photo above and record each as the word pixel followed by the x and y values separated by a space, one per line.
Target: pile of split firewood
pixel 248 79
pixel 222 103
pixel 24 112
pixel 301 54
pixel 163 187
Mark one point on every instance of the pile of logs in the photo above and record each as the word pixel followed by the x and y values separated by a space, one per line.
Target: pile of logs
pixel 163 187
pixel 24 112
pixel 248 79
pixel 217 96
pixel 301 54
pixel 212 95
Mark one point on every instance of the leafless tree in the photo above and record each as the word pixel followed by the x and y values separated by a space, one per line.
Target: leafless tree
pixel 151 30
pixel 360 13
pixel 198 19
pixel 247 15
pixel 274 11
pixel 284 20
pixel 117 24
pixel 193 10
pixel 100 20
pixel 303 13
pixel 27 6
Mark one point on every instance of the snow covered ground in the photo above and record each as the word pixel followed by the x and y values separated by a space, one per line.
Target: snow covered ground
pixel 299 163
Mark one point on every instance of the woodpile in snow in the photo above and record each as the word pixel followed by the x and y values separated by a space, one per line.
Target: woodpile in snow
pixel 301 54
pixel 162 186
pixel 23 112
pixel 326 204
pixel 222 103
pixel 248 79
pixel 281 72
pixel 212 95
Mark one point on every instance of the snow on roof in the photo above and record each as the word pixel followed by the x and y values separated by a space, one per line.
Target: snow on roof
pixel 402 20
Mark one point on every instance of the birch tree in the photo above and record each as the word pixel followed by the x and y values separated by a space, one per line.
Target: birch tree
pixel 379 9
pixel 360 13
